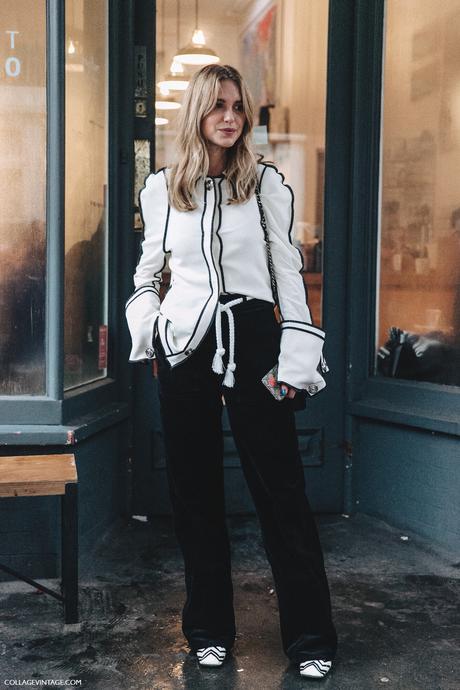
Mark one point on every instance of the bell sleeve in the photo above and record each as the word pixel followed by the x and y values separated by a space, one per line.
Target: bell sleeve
pixel 301 349
pixel 143 305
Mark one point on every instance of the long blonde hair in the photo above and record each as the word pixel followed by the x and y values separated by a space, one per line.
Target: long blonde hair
pixel 192 155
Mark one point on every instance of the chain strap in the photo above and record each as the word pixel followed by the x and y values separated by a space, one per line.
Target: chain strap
pixel 322 366
pixel 271 269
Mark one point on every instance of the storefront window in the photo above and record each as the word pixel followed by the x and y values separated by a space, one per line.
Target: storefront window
pixel 23 197
pixel 418 325
pixel 281 50
pixel 86 202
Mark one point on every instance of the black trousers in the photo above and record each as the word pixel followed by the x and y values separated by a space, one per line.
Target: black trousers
pixel 265 436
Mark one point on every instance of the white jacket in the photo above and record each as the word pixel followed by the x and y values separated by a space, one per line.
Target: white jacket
pixel 221 248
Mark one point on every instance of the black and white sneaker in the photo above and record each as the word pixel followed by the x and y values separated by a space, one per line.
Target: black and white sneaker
pixel 211 656
pixel 315 668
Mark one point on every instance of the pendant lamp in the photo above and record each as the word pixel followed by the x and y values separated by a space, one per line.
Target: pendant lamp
pixel 163 99
pixel 166 103
pixel 175 80
pixel 196 52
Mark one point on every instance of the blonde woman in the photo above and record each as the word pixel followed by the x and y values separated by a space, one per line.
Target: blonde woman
pixel 214 337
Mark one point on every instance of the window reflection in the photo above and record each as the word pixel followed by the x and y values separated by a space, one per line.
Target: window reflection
pixel 281 50
pixel 142 169
pixel 85 316
pixel 23 197
pixel 419 291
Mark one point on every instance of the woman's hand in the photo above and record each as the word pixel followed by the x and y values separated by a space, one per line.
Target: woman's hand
pixel 289 392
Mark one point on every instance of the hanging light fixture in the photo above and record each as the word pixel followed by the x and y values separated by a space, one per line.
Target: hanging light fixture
pixel 74 61
pixel 196 52
pixel 175 80
pixel 163 99
pixel 166 103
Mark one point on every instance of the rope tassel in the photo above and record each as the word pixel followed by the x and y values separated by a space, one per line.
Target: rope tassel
pixel 217 363
pixel 229 378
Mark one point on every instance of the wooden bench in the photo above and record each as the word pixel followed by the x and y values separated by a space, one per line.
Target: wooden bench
pixel 49 475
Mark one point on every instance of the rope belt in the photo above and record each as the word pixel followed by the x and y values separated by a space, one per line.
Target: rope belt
pixel 217 362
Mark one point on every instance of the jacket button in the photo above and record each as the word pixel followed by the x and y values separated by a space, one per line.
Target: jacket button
pixel 188 352
pixel 208 185
pixel 312 388
pixel 150 352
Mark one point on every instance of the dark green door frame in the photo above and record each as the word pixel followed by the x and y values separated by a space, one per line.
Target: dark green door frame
pixel 147 453
pixel 324 452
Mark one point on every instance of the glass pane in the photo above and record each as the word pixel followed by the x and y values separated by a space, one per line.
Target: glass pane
pixel 141 170
pixel 23 197
pixel 418 325
pixel 86 218
pixel 281 51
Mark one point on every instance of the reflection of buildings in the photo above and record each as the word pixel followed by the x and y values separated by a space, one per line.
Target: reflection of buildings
pixel 419 257
pixel 83 305
pixel 22 226
pixel 22 310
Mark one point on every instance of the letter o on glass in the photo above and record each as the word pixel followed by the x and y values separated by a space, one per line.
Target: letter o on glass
pixel 13 67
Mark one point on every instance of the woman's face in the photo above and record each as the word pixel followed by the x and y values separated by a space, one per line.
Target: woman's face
pixel 224 124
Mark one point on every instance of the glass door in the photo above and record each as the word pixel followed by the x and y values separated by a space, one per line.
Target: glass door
pixel 283 50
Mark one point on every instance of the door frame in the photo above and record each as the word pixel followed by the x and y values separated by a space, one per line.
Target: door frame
pixel 321 427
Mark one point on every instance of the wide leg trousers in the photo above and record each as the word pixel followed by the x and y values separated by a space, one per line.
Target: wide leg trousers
pixel 265 436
